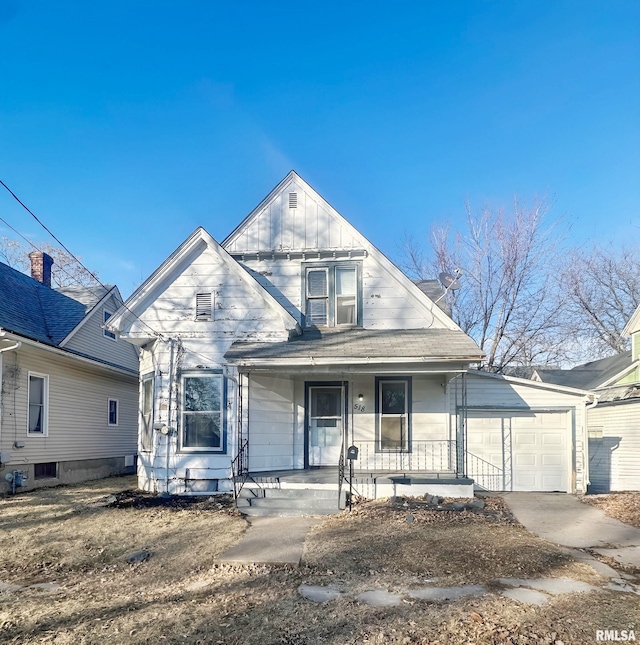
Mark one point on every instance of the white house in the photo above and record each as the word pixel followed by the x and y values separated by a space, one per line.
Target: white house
pixel 296 339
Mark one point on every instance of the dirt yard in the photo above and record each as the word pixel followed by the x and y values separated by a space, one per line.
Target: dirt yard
pixel 621 506
pixel 80 537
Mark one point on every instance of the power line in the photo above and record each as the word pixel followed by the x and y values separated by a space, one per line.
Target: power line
pixel 71 255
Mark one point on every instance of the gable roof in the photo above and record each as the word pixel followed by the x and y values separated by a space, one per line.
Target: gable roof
pixel 360 346
pixel 30 309
pixel 145 293
pixel 90 296
pixel 633 325
pixel 262 232
pixel 588 376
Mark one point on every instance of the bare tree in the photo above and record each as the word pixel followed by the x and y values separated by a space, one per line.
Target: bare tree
pixel 65 272
pixel 508 301
pixel 602 290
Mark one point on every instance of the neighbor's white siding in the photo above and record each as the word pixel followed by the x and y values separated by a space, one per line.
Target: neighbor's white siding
pixel 614 460
pixel 78 409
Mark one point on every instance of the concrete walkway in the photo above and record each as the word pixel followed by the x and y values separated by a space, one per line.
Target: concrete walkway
pixel 564 520
pixel 272 540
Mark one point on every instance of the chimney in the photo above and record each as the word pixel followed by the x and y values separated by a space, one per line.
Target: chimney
pixel 41 267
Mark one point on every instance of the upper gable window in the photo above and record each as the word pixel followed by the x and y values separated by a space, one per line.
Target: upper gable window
pixel 105 316
pixel 203 306
pixel 333 295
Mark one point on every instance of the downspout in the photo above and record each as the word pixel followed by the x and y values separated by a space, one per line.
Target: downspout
pixel 169 413
pixel 588 405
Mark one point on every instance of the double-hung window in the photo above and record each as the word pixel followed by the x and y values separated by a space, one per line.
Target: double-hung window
pixel 393 400
pixel 38 404
pixel 146 417
pixel 202 412
pixel 332 295
pixel 113 412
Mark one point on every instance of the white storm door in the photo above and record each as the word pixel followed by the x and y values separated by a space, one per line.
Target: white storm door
pixel 326 423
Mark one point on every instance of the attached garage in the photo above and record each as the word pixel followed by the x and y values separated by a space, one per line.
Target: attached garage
pixel 524 436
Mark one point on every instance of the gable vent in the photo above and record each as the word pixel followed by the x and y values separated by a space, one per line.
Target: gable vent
pixel 293 200
pixel 203 306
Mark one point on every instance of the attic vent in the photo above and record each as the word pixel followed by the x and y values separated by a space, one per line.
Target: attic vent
pixel 203 306
pixel 293 200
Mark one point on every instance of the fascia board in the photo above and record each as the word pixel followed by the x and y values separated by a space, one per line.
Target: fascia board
pixel 112 292
pixel 310 360
pixel 525 381
pixel 633 325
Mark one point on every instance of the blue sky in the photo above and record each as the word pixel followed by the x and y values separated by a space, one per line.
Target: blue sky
pixel 124 125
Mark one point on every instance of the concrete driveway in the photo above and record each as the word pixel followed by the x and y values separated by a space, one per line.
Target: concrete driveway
pixel 564 520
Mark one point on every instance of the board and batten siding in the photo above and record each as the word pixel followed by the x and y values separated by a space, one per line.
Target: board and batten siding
pixel 494 394
pixel 271 423
pixel 614 447
pixel 89 339
pixel 78 425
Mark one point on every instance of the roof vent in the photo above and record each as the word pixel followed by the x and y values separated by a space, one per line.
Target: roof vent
pixel 293 200
pixel 203 306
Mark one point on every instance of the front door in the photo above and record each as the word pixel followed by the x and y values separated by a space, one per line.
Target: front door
pixel 325 424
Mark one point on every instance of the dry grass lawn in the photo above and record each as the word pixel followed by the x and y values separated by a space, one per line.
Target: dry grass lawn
pixel 75 537
pixel 621 506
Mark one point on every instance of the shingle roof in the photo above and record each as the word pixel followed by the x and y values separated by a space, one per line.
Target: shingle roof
pixel 30 309
pixel 360 346
pixel 589 375
pixel 88 296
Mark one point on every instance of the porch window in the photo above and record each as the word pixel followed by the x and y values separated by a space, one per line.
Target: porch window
pixel 146 417
pixel 202 412
pixel 38 404
pixel 333 295
pixel 393 397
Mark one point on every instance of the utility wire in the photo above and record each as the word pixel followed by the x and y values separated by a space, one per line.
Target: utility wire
pixel 93 275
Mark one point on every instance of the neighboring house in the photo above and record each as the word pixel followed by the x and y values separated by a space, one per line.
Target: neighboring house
pixel 295 339
pixel 69 396
pixel 614 420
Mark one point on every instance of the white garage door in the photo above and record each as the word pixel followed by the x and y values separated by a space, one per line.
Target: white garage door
pixel 520 451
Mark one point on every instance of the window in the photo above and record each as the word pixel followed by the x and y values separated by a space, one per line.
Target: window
pixel 393 396
pixel 202 412
pixel 333 295
pixel 45 471
pixel 203 306
pixel 113 412
pixel 146 408
pixel 105 316
pixel 38 404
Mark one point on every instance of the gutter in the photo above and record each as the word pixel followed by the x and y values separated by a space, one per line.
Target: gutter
pixel 310 360
pixel 63 352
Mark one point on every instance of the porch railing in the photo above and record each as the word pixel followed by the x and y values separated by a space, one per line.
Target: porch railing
pixel 240 468
pixel 431 456
pixel 485 474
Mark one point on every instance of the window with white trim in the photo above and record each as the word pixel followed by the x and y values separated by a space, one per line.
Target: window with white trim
pixel 38 405
pixel 393 399
pixel 202 412
pixel 112 412
pixel 146 416
pixel 105 316
pixel 333 295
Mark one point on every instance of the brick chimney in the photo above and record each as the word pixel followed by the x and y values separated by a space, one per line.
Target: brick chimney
pixel 41 267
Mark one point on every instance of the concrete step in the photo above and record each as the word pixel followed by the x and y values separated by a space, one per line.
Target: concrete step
pixel 285 510
pixel 288 493
pixel 288 502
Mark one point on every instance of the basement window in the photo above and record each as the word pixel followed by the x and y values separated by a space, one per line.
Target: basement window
pixel 203 306
pixel 45 471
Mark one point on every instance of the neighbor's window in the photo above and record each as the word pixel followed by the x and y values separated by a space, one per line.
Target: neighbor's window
pixel 202 412
pixel 146 408
pixel 113 412
pixel 38 404
pixel 105 316
pixel 332 295
pixel 393 413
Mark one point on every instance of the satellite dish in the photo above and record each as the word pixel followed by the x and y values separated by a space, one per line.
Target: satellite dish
pixel 449 282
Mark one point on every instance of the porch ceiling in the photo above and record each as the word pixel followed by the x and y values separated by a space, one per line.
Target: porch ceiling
pixel 359 346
